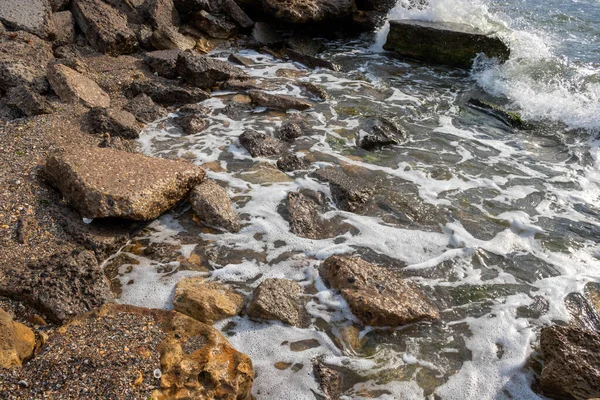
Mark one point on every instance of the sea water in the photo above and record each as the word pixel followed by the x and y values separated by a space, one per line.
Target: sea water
pixel 498 225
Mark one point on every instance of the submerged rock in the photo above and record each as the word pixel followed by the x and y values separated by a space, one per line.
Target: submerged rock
pixel 315 91
pixel 73 87
pixel 376 295
pixel 260 144
pixel 206 301
pixel 380 132
pixel 278 299
pixel 144 109
pixel 348 192
pixel 205 72
pixel 116 122
pixel 278 101
pixel 571 362
pixel 17 341
pixel 102 183
pixel 507 117
pixel 446 43
pixel 212 205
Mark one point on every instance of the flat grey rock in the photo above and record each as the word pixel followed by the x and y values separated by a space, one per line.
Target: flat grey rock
pixel 32 16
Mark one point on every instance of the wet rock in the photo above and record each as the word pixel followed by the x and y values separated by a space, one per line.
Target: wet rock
pixel 240 60
pixel 376 295
pixel 369 20
pixel 205 72
pixel 154 354
pixel 380 132
pixel 169 38
pixel 195 109
pixel 259 144
pixel 28 101
pixel 264 35
pixel 212 205
pixel 73 87
pixel 234 11
pixel 290 162
pixel 191 124
pixel 33 16
pixel 278 101
pixel 314 90
pixel 215 26
pixel 163 62
pixel 114 121
pixel 144 109
pixel 23 61
pixel 64 28
pixel 571 362
pixel 289 131
pixel 508 118
pixel 240 86
pixel 376 5
pixel 309 61
pixel 263 173
pixel 235 111
pixel 102 183
pixel 302 11
pixel 329 379
pixel 168 93
pixel 451 44
pixel 206 301
pixel 278 299
pixel 105 28
pixel 348 192
pixel 17 341
pixel 305 215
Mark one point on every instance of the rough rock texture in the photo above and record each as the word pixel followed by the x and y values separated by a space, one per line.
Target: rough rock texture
pixel 290 162
pixel 205 72
pixel 116 122
pixel 311 61
pixel 289 131
pixel 144 109
pixel 73 87
pixel 162 13
pixel 259 144
pixel 368 21
pixel 105 28
pixel 23 61
pixel 451 44
pixel 169 38
pixel 380 132
pixel 302 11
pixel 264 35
pixel 240 60
pixel 315 91
pixel 191 124
pixel 168 93
pixel 211 204
pixel 215 26
pixel 376 295
pixel 231 8
pixel 206 301
pixel 509 118
pixel 27 101
pixel 32 16
pixel 64 27
pixel 278 299
pixel 102 183
pixel 571 362
pixel 305 215
pixel 163 62
pixel 278 101
pixel 125 345
pixel 348 192
pixel 17 341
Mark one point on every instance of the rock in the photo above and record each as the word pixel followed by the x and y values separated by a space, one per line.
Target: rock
pixel 73 87
pixel 290 162
pixel 446 43
pixel 305 215
pixel 348 192
pixel 154 354
pixel 118 143
pixel 205 72
pixel 314 90
pixel 27 101
pixel 508 118
pixel 27 227
pixel 206 301
pixel 376 5
pixel 191 124
pixel 64 25
pixel 168 93
pixel 104 27
pixel 259 144
pixel 189 7
pixel 23 61
pixel 329 379
pixel 114 121
pixel 234 11
pixel 215 26
pixel 240 60
pixel 144 109
pixel 33 16
pixel 380 132
pixel 169 38
pixel 289 131
pixel 212 205
pixel 196 109
pixel 368 21
pixel 305 44
pixel 263 173
pixel 17 341
pixel 264 35
pixel 309 61
pixel 377 296
pixel 571 362
pixel 58 5
pixel 278 101
pixel 303 11
pixel 162 13
pixel 102 183
pixel 163 62
pixel 279 299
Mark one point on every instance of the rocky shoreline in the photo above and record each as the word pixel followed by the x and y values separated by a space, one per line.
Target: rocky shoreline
pixel 80 80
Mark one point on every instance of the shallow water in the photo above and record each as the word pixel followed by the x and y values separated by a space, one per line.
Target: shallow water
pixel 498 225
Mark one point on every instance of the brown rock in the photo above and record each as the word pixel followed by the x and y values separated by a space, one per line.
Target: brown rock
pixel 163 62
pixel 290 162
pixel 105 28
pixel 206 301
pixel 231 8
pixel 314 90
pixel 278 101
pixel 73 87
pixel 215 26
pixel 23 61
pixel 305 216
pixel 64 28
pixel 168 93
pixel 169 38
pixel 102 183
pixel 279 299
pixel 350 193
pixel 33 16
pixel 259 144
pixel 571 362
pixel 116 122
pixel 211 204
pixel 191 124
pixel 28 101
pixel 376 295
pixel 289 131
pixel 205 72
pixel 16 341
pixel 144 109
pixel 302 11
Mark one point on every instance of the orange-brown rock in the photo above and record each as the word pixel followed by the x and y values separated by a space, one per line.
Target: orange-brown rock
pixel 17 341
pixel 206 301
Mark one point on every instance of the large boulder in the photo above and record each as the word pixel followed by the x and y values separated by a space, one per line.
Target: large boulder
pixel 377 296
pixel 279 299
pixel 169 38
pixel 303 11
pixel 23 61
pixel 17 341
pixel 278 101
pixel 205 72
pixel 105 28
pixel 206 301
pixel 33 16
pixel 571 362
pixel 73 87
pixel 446 43
pixel 102 182
pixel 211 204
pixel 125 352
